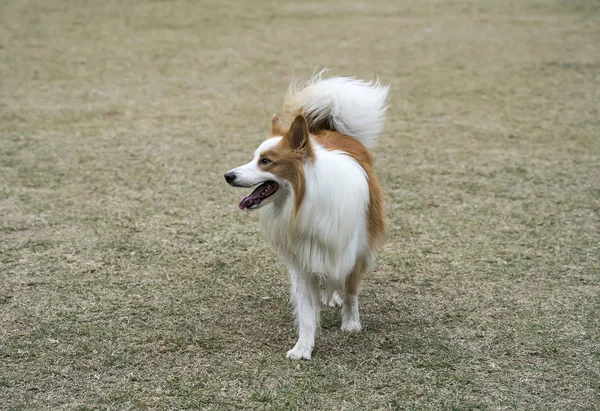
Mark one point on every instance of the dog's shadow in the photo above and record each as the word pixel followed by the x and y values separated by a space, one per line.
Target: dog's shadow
pixel 389 329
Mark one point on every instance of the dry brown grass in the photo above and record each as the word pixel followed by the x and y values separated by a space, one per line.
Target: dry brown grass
pixel 129 280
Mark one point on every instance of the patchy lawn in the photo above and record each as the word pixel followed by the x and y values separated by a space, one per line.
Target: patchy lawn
pixel 130 280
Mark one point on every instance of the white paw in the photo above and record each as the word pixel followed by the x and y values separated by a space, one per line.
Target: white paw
pixel 299 352
pixel 334 301
pixel 351 326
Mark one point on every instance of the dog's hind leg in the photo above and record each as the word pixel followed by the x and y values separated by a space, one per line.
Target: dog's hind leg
pixel 307 305
pixel 350 316
pixel 330 298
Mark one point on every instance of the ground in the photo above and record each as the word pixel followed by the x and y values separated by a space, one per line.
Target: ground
pixel 130 280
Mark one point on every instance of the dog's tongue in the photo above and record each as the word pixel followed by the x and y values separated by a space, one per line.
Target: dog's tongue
pixel 261 192
pixel 252 199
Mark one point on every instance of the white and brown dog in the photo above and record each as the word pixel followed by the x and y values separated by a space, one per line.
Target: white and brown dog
pixel 319 201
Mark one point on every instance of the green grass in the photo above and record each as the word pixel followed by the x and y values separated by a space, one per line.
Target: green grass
pixel 129 279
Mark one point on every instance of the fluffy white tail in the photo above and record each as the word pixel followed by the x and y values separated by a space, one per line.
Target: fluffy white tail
pixel 352 107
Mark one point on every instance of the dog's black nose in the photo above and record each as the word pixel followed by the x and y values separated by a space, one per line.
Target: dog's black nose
pixel 229 177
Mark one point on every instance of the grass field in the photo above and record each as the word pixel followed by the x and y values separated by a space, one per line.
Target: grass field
pixel 130 280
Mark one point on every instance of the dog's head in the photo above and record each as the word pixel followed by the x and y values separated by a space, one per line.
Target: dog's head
pixel 277 167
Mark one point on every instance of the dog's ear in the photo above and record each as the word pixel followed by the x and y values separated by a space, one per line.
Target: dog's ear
pixel 297 136
pixel 276 126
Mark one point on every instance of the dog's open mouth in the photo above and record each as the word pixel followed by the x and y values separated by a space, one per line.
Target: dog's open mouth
pixel 265 190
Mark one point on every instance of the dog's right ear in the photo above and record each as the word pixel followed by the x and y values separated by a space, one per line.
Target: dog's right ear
pixel 276 126
pixel 298 137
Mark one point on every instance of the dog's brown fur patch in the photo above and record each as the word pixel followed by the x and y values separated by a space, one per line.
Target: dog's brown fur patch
pixel 287 159
pixel 355 277
pixel 277 128
pixel 288 156
pixel 332 140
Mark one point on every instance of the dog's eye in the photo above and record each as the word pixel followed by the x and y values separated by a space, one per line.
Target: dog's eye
pixel 265 160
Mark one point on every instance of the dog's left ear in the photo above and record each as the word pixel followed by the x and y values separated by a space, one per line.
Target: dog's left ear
pixel 276 126
pixel 297 136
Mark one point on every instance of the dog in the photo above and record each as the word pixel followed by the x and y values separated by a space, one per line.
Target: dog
pixel 317 196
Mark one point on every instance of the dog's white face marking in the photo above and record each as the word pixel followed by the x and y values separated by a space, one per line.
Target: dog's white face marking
pixel 251 175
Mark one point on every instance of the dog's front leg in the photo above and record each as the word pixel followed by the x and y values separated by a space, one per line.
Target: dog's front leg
pixel 307 304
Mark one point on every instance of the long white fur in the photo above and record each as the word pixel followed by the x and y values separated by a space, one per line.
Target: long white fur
pixel 330 228
pixel 353 107
pixel 321 243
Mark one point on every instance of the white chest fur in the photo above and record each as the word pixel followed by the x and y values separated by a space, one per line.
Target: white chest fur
pixel 329 231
